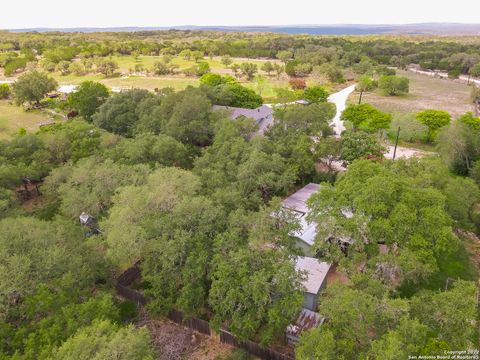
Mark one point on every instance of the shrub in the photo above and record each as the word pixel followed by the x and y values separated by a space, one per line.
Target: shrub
pixel 128 310
pixel 297 83
pixel 5 91
pixel 394 85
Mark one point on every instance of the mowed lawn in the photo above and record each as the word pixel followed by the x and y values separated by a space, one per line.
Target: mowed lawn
pixel 13 117
pixel 425 93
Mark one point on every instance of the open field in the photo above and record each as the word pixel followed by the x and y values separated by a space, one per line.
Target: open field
pixel 425 93
pixel 13 117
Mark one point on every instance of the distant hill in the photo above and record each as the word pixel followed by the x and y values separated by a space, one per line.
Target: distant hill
pixel 347 29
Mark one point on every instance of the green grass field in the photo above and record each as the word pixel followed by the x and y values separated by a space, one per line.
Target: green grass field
pixel 13 118
pixel 177 81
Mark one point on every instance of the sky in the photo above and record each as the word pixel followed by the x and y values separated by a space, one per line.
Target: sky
pixel 117 13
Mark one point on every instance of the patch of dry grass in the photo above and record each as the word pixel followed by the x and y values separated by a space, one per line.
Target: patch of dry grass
pixel 425 93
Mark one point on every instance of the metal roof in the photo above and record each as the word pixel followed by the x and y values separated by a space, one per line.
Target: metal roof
pixel 316 271
pixel 307 320
pixel 297 203
pixel 262 115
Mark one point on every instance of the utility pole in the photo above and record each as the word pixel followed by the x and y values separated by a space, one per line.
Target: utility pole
pixel 396 144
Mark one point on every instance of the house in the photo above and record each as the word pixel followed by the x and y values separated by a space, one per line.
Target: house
pixel 297 203
pixel 315 279
pixel 262 115
pixel 306 320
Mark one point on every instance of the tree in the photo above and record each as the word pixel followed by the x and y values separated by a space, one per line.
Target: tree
pixel 249 70
pixel 433 120
pixel 36 252
pixel 63 67
pixel 177 266
pixel 284 56
pixel 5 91
pixel 297 83
pixel 226 60
pixel 212 79
pixel 394 85
pixel 358 145
pixel 186 54
pixel 197 55
pixel 290 67
pixel 314 94
pixel 198 69
pixel 130 227
pixel 459 144
pixel 260 84
pixel 285 95
pixel 32 87
pixel 234 94
pixel 475 70
pixel 374 203
pixel 190 120
pixel 302 70
pixel 90 185
pixel 333 73
pixel 254 290
pixel 279 69
pixel 344 336
pixel 365 83
pixel 311 120
pixel 366 116
pixel 105 340
pixel 163 67
pixel 77 68
pixel 150 149
pixel 236 70
pixel 317 343
pixel 118 114
pixel 14 65
pixel 88 97
pixel 410 338
pixel 452 313
pixel 107 67
pixel 268 67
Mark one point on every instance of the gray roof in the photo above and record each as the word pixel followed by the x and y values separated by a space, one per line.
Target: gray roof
pixel 262 115
pixel 316 271
pixel 298 200
pixel 297 203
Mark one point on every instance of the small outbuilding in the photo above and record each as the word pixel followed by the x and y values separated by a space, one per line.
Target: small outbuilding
pixel 315 281
pixel 307 320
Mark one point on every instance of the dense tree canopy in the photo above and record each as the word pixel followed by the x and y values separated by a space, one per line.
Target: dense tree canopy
pixel 88 98
pixel 119 113
pixel 193 198
pixel 35 252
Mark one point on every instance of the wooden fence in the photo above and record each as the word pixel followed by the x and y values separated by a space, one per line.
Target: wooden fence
pixel 252 347
pixel 199 325
pixel 202 326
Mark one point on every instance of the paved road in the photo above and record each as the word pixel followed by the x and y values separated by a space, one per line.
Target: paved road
pixel 340 100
